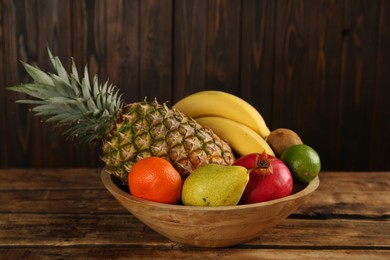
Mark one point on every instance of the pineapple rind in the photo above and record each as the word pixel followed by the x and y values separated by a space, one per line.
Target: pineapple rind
pixel 151 129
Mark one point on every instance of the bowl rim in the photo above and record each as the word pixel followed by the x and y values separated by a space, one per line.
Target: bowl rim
pixel 115 190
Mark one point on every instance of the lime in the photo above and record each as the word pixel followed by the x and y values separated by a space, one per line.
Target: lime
pixel 303 162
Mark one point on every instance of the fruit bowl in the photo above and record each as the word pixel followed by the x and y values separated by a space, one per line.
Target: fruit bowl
pixel 210 226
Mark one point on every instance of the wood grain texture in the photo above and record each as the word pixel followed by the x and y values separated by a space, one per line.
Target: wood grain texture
pixel 125 230
pixel 223 45
pixel 380 114
pixel 257 55
pixel 68 214
pixel 210 226
pixel 156 49
pixel 319 68
pixel 190 24
pixel 307 71
pixel 126 252
pixel 358 70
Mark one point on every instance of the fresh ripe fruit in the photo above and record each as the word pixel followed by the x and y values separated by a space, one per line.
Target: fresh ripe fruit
pixel 303 162
pixel 282 138
pixel 94 111
pixel 155 179
pixel 215 185
pixel 269 178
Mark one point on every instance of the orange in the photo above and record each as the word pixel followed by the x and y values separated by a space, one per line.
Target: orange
pixel 155 179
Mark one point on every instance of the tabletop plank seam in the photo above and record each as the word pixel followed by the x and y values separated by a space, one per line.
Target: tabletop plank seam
pixel 340 216
pixel 173 245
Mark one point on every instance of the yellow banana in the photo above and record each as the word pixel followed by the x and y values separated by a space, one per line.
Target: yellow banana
pixel 223 104
pixel 241 138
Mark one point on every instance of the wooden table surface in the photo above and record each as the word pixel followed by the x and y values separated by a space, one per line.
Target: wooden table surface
pixel 68 214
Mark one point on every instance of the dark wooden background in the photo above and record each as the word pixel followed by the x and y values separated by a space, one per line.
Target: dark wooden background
pixel 321 68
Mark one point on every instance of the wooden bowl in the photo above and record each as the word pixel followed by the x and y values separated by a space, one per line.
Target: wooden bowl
pixel 210 226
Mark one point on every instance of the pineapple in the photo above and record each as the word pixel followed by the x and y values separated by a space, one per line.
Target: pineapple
pixel 129 132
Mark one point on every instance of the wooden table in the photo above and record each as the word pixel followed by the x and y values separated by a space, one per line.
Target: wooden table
pixel 68 214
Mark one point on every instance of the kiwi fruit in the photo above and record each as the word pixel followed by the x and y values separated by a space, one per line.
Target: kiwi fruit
pixel 282 138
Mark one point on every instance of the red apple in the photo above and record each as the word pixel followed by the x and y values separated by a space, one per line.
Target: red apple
pixel 269 178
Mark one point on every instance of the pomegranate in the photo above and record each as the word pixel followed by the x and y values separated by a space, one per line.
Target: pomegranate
pixel 269 178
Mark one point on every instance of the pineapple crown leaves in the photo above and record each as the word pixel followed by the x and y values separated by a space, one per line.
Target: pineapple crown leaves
pixel 89 110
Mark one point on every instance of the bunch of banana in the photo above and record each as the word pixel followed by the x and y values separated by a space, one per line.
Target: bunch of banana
pixel 230 117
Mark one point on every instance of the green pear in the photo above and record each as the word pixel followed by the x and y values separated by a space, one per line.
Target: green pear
pixel 215 185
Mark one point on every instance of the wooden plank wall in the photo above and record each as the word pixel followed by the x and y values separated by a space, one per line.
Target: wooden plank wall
pixel 320 67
